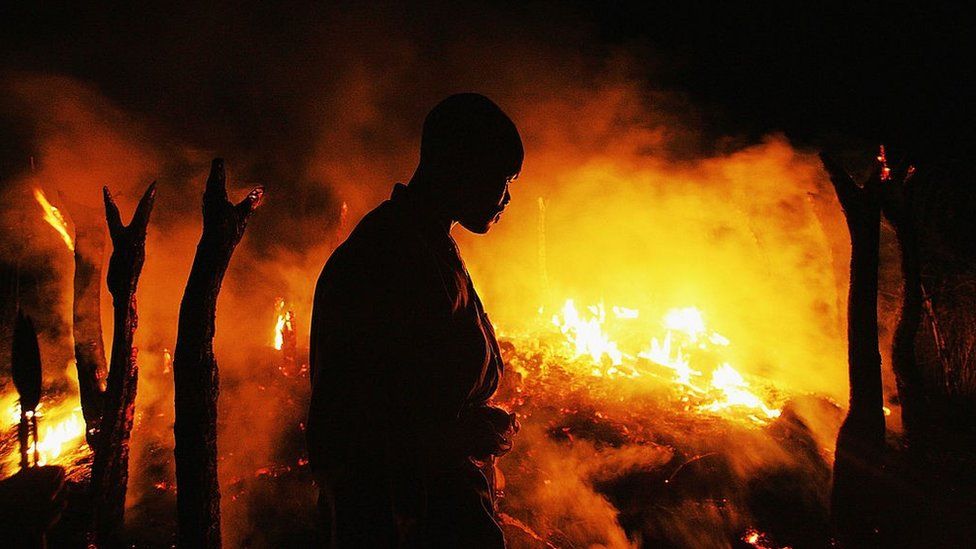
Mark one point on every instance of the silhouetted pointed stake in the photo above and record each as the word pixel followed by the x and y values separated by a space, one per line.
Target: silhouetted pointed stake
pixel 195 367
pixel 110 467
pixel 26 373
pixel 26 363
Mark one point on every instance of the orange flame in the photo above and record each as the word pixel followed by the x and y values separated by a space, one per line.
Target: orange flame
pixel 283 322
pixel 685 338
pixel 61 435
pixel 54 218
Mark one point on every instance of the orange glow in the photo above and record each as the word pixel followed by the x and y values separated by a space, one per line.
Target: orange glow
pixel 54 218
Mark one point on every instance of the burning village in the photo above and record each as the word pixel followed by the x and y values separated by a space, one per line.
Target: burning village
pixel 709 277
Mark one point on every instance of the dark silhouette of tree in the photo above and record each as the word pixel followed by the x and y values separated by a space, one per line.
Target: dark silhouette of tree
pixel 195 366
pixel 86 322
pixel 110 469
pixel 856 499
pixel 896 200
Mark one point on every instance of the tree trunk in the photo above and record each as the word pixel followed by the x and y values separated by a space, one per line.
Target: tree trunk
pixel 896 204
pixel 195 367
pixel 856 498
pixel 87 319
pixel 110 468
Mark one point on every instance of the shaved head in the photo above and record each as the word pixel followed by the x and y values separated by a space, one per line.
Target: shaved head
pixel 470 152
pixel 469 128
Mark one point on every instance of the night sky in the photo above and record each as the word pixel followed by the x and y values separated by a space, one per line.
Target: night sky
pixel 835 78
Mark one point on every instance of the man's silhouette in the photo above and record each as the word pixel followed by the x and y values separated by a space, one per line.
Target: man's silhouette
pixel 403 356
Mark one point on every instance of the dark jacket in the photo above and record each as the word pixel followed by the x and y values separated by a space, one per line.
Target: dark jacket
pixel 400 348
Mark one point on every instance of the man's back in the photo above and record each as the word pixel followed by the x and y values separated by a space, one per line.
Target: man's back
pixel 403 357
pixel 399 347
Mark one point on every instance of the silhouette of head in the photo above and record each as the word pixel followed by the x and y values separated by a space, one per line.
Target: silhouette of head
pixel 469 153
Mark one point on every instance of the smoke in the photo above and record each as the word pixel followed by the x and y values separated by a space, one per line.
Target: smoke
pixel 642 207
pixel 561 490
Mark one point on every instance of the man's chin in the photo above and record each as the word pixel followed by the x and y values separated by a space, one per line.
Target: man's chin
pixel 480 227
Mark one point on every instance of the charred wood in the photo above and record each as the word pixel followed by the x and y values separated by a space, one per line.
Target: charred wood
pixel 86 317
pixel 110 466
pixel 26 363
pixel 856 497
pixel 195 366
pixel 26 372
pixel 897 207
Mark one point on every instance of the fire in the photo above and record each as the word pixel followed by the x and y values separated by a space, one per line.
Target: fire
pixel 283 322
pixel 686 340
pixel 167 361
pixel 61 435
pixel 54 218
pixel 587 336
pixel 688 320
pixel 735 392
pixel 757 539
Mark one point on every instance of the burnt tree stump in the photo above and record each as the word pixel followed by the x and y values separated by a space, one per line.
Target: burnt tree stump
pixel 86 323
pixel 856 497
pixel 111 461
pixel 896 204
pixel 195 367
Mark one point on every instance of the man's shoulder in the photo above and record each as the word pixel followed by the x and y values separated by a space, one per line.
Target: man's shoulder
pixel 379 238
pixel 376 231
pixel 379 224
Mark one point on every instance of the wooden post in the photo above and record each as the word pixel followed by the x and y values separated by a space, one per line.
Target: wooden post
pixel 195 367
pixel 111 463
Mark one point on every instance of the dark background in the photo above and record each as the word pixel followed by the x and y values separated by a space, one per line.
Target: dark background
pixel 835 77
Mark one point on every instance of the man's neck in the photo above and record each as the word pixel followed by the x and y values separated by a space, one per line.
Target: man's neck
pixel 424 192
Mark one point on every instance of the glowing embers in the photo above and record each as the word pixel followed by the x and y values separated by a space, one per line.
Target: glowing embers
pixel 687 355
pixel 759 540
pixel 54 218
